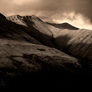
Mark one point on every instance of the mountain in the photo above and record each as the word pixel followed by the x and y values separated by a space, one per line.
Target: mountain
pixel 38 28
pixel 11 31
pixel 65 37
pixel 36 55
pixel 64 26
pixel 75 42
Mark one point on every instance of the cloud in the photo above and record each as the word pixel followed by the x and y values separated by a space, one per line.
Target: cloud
pixel 45 7
pixel 21 2
pixel 77 20
pixel 48 9
pixel 20 6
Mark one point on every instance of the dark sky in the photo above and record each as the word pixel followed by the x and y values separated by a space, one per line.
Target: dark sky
pixel 76 12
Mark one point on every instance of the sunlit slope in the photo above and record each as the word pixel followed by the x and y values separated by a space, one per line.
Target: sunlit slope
pixel 36 28
pixel 75 42
pixel 29 21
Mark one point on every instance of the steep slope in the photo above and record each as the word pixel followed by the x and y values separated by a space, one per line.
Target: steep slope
pixel 12 31
pixel 35 27
pixel 29 21
pixel 77 43
pixel 74 41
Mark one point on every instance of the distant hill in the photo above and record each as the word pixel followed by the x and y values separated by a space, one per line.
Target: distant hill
pixel 64 25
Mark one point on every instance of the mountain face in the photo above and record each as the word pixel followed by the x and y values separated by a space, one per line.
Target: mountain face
pixel 38 28
pixel 65 37
pixel 77 43
pixel 33 54
pixel 11 31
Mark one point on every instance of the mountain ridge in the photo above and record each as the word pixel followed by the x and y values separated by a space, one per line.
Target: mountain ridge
pixel 55 34
pixel 64 25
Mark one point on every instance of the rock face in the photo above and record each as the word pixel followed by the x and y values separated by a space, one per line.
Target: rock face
pixel 30 57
